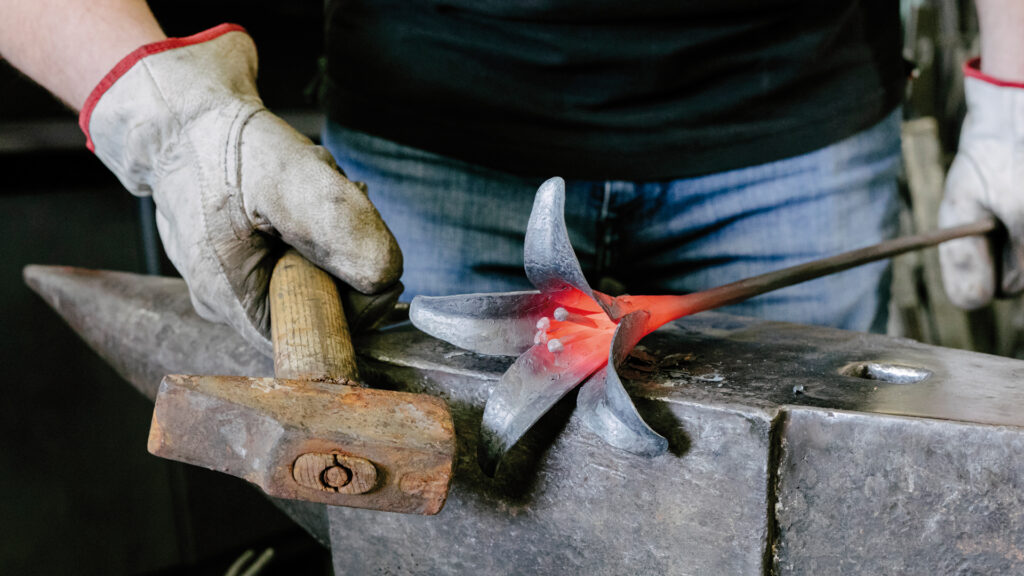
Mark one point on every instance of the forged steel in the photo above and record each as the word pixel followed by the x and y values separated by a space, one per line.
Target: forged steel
pixel 548 257
pixel 551 367
pixel 605 406
pixel 789 448
pixel 749 287
pixel 547 369
pixel 502 325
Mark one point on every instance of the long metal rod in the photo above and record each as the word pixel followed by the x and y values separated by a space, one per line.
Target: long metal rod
pixel 749 287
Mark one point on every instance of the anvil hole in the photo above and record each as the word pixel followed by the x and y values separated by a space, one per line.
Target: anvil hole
pixel 892 373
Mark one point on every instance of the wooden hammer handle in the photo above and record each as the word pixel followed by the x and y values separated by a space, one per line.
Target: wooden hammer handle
pixel 307 324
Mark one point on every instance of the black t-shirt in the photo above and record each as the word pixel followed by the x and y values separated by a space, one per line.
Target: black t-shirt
pixel 599 89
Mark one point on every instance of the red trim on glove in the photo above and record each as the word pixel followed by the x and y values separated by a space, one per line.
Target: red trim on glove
pixel 972 68
pixel 130 60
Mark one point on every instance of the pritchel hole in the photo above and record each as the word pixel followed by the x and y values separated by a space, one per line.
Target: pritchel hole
pixel 884 372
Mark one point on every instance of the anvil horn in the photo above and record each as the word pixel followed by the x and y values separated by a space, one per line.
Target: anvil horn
pixel 143 326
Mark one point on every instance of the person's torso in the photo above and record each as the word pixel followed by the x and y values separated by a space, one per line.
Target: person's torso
pixel 613 90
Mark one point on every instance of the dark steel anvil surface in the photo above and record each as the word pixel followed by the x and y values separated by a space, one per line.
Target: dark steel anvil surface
pixel 793 449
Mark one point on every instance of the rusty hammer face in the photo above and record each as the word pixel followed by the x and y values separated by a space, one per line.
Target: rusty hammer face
pixel 311 433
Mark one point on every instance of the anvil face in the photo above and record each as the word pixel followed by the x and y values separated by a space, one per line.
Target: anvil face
pixel 798 449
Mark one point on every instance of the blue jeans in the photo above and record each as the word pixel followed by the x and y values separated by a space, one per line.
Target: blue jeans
pixel 461 226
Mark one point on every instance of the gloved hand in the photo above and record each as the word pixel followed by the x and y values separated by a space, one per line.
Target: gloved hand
pixel 986 178
pixel 181 120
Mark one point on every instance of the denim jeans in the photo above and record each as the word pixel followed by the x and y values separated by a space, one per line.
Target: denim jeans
pixel 461 226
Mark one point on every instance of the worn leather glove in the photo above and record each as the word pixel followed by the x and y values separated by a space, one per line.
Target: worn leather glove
pixel 181 120
pixel 986 178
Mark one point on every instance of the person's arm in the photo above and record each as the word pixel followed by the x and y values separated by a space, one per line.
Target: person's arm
pixel 987 175
pixel 1002 38
pixel 181 119
pixel 67 46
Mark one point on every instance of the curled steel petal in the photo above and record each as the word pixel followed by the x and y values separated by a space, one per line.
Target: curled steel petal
pixel 501 323
pixel 550 261
pixel 563 333
pixel 604 404
pixel 530 387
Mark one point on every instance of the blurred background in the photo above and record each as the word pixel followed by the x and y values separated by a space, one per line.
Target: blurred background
pixel 79 494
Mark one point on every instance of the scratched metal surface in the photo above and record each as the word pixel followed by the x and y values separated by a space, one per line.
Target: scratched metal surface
pixel 782 458
pixel 867 494
pixel 564 502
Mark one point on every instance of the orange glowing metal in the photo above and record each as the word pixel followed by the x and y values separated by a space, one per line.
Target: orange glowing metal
pixel 577 320
pixel 579 332
pixel 567 333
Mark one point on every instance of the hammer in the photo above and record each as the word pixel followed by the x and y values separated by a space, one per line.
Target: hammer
pixel 311 433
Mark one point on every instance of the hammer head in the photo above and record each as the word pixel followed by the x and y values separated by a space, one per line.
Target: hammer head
pixel 322 442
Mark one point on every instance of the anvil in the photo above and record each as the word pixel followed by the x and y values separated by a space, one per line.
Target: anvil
pixel 793 449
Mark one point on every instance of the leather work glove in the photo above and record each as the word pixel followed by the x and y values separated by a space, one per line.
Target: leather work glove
pixel 181 120
pixel 986 178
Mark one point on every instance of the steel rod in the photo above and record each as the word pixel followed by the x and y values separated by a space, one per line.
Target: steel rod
pixel 754 286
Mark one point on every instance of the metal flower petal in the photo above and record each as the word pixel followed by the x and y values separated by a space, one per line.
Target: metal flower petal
pixel 501 323
pixel 563 332
pixel 550 261
pixel 604 404
pixel 534 383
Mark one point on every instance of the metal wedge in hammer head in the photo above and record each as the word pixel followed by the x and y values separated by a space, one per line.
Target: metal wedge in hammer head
pixel 311 433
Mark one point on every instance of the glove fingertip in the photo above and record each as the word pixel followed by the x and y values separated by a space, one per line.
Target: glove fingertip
pixel 968 272
pixel 377 266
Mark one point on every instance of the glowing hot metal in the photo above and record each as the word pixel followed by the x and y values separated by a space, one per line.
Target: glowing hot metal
pixel 567 332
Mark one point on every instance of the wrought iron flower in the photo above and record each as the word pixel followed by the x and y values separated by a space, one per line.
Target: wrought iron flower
pixel 564 333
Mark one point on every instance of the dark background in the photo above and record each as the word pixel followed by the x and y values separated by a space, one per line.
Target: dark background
pixel 79 494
